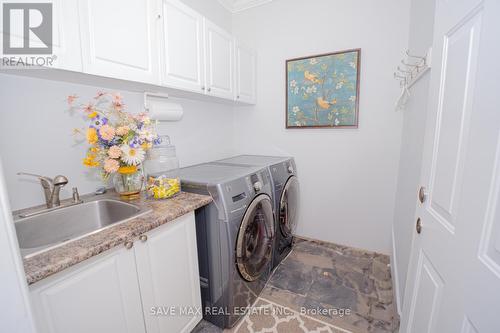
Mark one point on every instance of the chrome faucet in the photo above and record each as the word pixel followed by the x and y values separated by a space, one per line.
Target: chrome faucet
pixel 51 187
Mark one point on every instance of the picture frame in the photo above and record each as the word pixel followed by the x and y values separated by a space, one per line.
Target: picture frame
pixel 322 91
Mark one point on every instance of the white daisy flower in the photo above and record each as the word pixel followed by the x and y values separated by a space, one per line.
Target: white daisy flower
pixel 132 156
pixel 339 85
pixel 337 122
pixel 293 83
pixel 352 98
pixel 313 61
pixel 295 109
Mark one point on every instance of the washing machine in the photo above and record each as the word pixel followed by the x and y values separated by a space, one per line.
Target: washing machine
pixel 285 196
pixel 235 237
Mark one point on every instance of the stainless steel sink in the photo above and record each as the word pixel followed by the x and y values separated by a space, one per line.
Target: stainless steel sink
pixel 54 228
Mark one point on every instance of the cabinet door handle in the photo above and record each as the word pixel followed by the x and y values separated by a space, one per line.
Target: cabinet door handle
pixel 422 194
pixel 143 238
pixel 129 245
pixel 419 226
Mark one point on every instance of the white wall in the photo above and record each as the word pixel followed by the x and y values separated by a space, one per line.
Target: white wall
pixel 213 10
pixel 420 39
pixel 35 134
pixel 348 177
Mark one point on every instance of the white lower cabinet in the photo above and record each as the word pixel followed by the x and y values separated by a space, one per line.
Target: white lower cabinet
pixel 100 295
pixel 167 263
pixel 152 287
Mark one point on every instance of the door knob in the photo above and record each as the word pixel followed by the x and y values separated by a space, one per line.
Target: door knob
pixel 422 194
pixel 209 89
pixel 143 238
pixel 419 226
pixel 128 245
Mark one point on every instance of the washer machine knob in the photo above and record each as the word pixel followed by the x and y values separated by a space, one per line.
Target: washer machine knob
pixel 257 186
pixel 290 169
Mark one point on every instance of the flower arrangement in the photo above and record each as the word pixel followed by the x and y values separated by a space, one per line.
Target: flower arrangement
pixel 118 140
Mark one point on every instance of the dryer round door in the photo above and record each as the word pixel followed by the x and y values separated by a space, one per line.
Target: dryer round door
pixel 255 239
pixel 289 207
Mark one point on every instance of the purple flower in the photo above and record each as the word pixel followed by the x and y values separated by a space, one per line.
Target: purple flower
pixel 157 141
pixel 135 142
pixel 98 121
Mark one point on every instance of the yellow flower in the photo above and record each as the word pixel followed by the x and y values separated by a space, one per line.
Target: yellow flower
pixel 92 115
pixel 127 170
pixel 92 135
pixel 146 145
pixel 90 161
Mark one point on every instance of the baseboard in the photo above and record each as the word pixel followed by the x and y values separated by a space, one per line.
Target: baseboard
pixel 394 274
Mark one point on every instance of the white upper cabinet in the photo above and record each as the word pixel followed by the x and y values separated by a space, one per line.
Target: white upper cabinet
pixel 182 47
pixel 219 61
pixel 245 74
pixel 157 42
pixel 119 39
pixel 66 36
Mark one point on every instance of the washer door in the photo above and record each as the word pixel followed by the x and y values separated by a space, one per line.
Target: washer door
pixel 289 206
pixel 255 239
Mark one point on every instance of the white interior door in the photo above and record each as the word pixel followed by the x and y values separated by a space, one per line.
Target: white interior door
pixel 454 275
pixel 183 61
pixel 15 306
pixel 119 39
pixel 219 60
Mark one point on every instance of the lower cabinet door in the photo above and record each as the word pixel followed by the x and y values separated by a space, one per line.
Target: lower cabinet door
pixel 167 266
pixel 99 295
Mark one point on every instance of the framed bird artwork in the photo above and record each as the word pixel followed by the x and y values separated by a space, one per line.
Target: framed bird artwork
pixel 323 90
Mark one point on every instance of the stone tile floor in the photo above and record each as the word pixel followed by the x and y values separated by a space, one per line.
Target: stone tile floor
pixel 342 287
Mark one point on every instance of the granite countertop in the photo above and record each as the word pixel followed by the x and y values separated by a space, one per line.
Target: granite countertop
pixel 51 261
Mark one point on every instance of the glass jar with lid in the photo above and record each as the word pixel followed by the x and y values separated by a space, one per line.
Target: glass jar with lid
pixel 162 170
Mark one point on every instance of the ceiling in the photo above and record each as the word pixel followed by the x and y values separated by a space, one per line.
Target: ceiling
pixel 235 6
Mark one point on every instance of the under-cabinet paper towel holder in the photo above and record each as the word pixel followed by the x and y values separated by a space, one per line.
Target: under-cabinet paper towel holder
pixel 160 109
pixel 154 95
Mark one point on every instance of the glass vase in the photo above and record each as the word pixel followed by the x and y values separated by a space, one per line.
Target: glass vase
pixel 128 182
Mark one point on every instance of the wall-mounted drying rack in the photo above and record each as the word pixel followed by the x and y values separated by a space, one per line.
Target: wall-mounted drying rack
pixel 412 68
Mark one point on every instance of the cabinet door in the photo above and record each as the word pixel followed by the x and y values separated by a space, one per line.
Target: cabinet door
pixel 66 48
pixel 245 74
pixel 119 39
pixel 182 47
pixel 99 295
pixel 219 59
pixel 167 266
